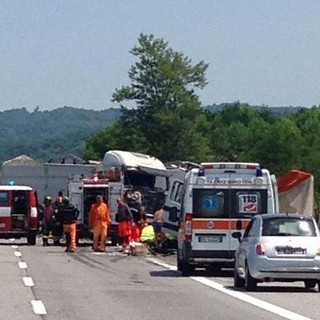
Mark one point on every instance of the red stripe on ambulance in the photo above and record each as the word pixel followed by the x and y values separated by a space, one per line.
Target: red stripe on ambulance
pixel 215 224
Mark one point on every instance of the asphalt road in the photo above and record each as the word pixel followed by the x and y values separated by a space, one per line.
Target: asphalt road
pixel 47 283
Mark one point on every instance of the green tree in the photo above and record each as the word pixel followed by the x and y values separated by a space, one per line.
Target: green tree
pixel 235 131
pixel 279 148
pixel 168 115
pixel 308 122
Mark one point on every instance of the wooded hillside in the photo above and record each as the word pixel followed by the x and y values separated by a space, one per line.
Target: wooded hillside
pixel 50 135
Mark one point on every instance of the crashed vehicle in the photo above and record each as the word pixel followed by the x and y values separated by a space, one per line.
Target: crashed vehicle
pixel 124 174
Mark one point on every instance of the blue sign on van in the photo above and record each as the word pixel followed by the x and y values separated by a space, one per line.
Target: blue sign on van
pixel 210 203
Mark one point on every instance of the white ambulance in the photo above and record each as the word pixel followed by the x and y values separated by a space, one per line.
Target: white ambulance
pixel 210 204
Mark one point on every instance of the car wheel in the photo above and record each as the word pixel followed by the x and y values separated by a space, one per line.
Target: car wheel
pixel 185 268
pixel 309 284
pixel 237 281
pixel 250 283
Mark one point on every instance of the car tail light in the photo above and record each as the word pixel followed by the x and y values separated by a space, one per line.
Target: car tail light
pixel 188 227
pixel 260 249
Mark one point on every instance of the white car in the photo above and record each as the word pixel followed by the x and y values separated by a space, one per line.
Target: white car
pixel 278 247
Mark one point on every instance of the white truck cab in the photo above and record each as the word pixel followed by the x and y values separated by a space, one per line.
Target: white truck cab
pixel 138 172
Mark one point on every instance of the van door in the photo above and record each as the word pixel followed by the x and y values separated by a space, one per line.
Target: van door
pixel 115 192
pixel 76 198
pixel 20 210
pixel 172 207
pixel 5 211
pixel 275 198
pixel 210 221
pixel 245 202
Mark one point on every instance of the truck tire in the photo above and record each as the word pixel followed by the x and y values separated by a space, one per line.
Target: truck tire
pixel 114 240
pixel 32 238
pixel 185 268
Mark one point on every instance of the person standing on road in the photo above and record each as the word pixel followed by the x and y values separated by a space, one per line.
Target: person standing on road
pixel 57 222
pixel 46 211
pixel 158 220
pixel 99 219
pixel 124 218
pixel 69 214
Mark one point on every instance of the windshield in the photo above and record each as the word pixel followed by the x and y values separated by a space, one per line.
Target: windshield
pixel 229 203
pixel 288 226
pixel 141 179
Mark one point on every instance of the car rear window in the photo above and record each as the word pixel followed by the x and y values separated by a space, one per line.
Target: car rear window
pixel 288 226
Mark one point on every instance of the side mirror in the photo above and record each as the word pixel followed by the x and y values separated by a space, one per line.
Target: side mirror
pixel 237 235
pixel 173 214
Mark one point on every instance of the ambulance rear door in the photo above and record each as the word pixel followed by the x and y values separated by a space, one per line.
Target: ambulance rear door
pixel 210 221
pixel 245 202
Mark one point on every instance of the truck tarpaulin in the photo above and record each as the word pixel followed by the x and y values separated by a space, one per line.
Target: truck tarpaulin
pixel 296 193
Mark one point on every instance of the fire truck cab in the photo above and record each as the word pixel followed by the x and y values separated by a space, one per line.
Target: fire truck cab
pixel 82 193
pixel 211 203
pixel 18 213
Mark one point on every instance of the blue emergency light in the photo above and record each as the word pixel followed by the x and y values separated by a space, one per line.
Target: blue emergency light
pixel 11 182
pixel 201 172
pixel 259 172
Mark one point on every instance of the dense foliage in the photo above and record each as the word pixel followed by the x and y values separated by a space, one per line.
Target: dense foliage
pixel 169 122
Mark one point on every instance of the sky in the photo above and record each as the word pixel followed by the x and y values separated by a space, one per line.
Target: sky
pixel 77 52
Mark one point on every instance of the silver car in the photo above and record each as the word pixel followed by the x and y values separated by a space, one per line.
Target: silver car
pixel 278 247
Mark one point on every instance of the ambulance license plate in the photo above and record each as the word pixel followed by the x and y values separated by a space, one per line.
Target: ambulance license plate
pixel 210 238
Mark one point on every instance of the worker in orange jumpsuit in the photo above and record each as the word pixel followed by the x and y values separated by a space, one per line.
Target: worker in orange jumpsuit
pixel 99 219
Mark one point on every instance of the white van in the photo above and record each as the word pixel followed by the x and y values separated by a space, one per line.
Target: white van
pixel 210 204
pixel 19 212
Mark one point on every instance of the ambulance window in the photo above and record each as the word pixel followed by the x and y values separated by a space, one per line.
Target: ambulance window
pixel 210 203
pixel 248 202
pixel 4 198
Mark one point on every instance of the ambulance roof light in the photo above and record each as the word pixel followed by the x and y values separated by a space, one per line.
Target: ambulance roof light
pixel 259 172
pixel 201 172
pixel 230 165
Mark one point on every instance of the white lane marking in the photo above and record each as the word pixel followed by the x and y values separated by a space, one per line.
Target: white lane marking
pixel 14 246
pixel 239 295
pixel 28 282
pixel 17 253
pixel 22 265
pixel 38 307
pixel 160 263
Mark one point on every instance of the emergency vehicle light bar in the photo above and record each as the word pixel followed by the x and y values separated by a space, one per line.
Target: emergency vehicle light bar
pixel 230 165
